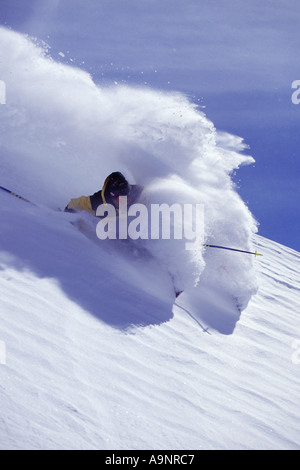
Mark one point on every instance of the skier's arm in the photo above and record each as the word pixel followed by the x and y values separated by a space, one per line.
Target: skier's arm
pixel 82 203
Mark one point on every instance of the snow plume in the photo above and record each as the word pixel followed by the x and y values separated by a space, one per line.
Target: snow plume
pixel 62 134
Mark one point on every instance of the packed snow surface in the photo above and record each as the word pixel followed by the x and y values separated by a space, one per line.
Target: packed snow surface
pixel 95 351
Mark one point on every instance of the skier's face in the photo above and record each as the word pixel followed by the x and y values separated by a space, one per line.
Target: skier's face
pixel 115 189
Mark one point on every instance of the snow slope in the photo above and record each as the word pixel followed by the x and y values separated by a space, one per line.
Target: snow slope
pixel 78 377
pixel 97 353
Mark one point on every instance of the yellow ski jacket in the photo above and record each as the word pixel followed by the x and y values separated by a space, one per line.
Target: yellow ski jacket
pixel 82 203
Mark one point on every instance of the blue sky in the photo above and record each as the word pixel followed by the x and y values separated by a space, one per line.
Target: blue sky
pixel 237 58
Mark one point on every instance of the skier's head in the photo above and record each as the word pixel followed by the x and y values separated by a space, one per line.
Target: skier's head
pixel 115 186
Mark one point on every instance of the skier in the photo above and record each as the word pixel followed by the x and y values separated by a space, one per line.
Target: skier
pixel 114 186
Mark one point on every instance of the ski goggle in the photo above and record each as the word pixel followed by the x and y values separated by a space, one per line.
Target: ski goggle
pixel 118 188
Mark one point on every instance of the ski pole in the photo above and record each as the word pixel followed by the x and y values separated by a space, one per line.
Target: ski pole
pixel 14 194
pixel 234 249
